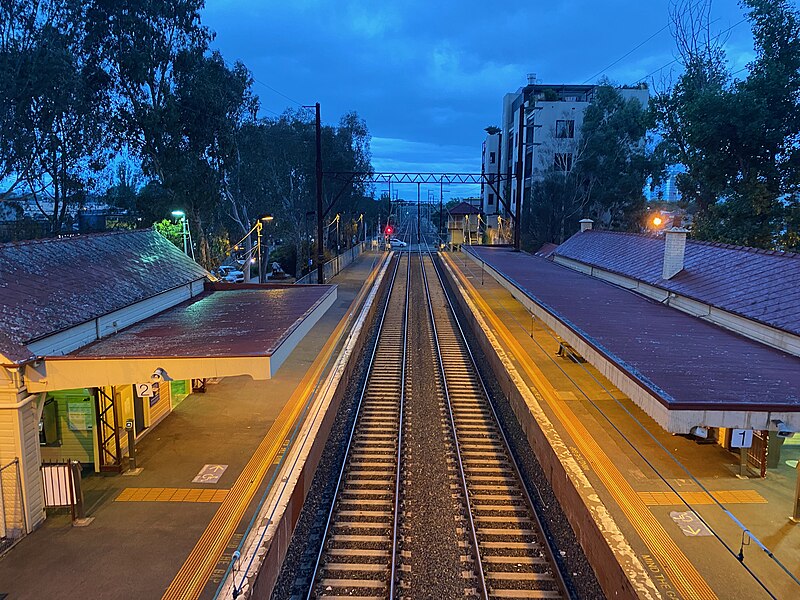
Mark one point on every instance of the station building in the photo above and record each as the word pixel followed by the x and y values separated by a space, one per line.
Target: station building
pixel 99 332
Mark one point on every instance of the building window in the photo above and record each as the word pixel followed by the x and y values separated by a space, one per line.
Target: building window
pixel 563 162
pixel 491 199
pixel 492 157
pixel 565 129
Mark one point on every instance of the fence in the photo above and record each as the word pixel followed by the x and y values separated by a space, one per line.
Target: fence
pixel 62 486
pixel 336 264
pixel 12 513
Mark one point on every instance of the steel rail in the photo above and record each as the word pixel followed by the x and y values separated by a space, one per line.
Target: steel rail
pixel 400 433
pixel 332 510
pixel 546 545
pixel 463 478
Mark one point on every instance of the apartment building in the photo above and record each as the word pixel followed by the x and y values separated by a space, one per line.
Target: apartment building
pixel 552 120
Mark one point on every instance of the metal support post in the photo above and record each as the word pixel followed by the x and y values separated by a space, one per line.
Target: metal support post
pixel 520 180
pixel 796 511
pixel 320 215
pixel 743 463
pixel 260 262
pixel 419 216
pixel 78 503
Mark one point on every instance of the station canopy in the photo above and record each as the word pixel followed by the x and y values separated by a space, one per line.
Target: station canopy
pixel 228 330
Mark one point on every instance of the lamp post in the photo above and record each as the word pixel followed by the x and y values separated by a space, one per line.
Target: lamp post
pixel 180 215
pixel 259 226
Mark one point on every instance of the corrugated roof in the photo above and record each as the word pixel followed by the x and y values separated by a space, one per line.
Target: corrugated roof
pixel 757 284
pixel 50 285
pixel 686 362
pixel 464 208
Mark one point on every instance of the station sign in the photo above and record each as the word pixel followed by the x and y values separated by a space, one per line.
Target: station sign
pixel 145 390
pixel 741 438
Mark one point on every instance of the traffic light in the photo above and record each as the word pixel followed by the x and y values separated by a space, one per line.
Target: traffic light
pixel 389 230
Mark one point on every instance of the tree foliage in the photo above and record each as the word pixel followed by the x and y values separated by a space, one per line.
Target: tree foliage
pixel 738 138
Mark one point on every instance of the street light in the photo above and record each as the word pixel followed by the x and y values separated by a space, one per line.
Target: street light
pixel 179 214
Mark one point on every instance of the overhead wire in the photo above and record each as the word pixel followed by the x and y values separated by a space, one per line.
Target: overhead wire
pixel 716 37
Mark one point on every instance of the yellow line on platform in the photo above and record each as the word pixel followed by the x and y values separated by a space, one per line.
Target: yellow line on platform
pixel 680 570
pixel 171 495
pixel 724 496
pixel 202 560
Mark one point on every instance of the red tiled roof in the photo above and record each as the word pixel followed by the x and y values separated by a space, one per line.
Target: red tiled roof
pixel 757 284
pixel 687 363
pixel 464 208
pixel 226 320
pixel 50 285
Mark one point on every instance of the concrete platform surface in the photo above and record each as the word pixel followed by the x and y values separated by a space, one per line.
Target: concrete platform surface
pixel 637 469
pixel 145 526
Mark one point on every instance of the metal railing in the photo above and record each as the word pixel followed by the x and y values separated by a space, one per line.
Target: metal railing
pixel 336 264
pixel 13 525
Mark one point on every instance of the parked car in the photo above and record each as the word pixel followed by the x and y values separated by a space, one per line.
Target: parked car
pixel 397 243
pixel 231 274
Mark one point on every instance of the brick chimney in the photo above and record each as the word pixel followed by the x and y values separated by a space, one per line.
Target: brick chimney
pixel 674 249
pixel 586 224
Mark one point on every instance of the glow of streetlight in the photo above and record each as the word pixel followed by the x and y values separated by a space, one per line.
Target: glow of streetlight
pixel 178 213
pixel 267 218
pixel 657 221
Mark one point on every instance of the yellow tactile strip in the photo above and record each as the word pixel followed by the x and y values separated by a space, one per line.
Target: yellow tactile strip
pixel 680 570
pixel 202 560
pixel 724 496
pixel 171 495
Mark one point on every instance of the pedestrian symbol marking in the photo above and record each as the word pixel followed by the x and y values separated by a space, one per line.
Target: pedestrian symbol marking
pixel 210 474
pixel 690 524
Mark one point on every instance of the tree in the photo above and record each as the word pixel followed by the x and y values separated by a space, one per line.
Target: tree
pixel 737 138
pixel 59 106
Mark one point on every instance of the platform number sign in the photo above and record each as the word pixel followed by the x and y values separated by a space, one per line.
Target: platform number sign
pixel 144 390
pixel 741 438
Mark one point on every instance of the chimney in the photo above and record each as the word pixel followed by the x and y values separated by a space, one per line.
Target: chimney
pixel 586 224
pixel 674 248
pixel 531 78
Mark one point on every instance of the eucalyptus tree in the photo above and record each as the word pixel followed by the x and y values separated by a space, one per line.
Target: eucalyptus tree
pixel 56 105
pixel 738 137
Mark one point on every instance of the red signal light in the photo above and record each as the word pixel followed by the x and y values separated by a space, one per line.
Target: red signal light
pixel 389 230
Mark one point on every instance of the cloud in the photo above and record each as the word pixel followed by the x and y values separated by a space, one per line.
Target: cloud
pixel 429 76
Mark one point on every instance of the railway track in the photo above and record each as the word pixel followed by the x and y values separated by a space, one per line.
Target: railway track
pixel 509 551
pixel 498 546
pixel 358 557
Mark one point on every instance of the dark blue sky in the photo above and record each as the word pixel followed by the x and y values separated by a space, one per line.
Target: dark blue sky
pixel 428 76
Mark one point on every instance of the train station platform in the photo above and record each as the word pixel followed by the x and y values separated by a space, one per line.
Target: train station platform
pixel 670 510
pixel 170 530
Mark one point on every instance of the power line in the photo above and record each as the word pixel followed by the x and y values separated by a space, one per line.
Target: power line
pixel 604 69
pixel 269 87
pixel 674 60
pixel 636 48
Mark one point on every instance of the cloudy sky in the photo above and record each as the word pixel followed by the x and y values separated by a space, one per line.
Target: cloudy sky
pixel 429 75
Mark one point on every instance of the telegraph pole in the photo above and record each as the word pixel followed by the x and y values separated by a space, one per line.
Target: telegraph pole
pixel 320 216
pixel 520 147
